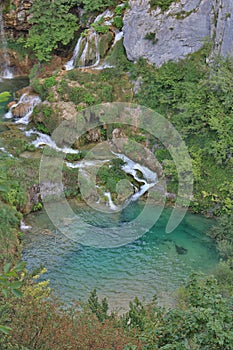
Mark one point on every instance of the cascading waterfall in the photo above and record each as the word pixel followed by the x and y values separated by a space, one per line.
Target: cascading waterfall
pixel 46 140
pixel 88 45
pixel 147 181
pixel 110 203
pixel 82 51
pixel 29 102
pixel 6 72
pixel 149 177
pixel 71 63
pixel 3 150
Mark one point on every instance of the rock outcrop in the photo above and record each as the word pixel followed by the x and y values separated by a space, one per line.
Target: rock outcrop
pixel 17 16
pixel 180 30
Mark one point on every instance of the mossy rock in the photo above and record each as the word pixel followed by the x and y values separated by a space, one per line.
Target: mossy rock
pixel 117 56
pixel 105 43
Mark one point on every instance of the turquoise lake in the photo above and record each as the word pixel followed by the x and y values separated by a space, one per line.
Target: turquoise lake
pixel 148 266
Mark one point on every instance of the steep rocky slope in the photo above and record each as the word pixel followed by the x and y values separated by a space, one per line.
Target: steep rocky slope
pixel 160 36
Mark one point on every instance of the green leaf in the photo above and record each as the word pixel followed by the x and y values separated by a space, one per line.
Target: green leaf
pixel 5 329
pixel 7 266
pixel 4 283
pixel 3 188
pixel 17 292
pixel 16 285
pixel 20 266
pixel 5 292
pixel 4 96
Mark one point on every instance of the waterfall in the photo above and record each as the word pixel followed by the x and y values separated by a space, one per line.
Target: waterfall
pixel 147 181
pixel 86 163
pixel 94 37
pixel 24 227
pixel 118 36
pixel 86 52
pixel 110 203
pixel 5 70
pixel 28 102
pixel 83 48
pixel 149 177
pixel 46 140
pixel 71 63
pixel 2 149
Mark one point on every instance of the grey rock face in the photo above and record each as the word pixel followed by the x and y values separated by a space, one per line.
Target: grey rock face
pixel 223 29
pixel 179 31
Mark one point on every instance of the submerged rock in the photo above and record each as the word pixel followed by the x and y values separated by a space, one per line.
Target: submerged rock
pixel 181 250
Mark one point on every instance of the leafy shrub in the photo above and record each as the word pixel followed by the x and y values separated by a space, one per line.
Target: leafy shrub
pixel 118 22
pixel 42 128
pixel 163 4
pixel 97 5
pixel 152 37
pixel 100 309
pixel 10 221
pixel 102 29
pixel 52 24
pixel 223 234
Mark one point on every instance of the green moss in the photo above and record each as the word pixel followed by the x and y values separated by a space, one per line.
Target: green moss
pixel 183 14
pixel 104 43
pixel 117 56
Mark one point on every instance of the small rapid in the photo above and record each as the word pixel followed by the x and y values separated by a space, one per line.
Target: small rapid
pixel 46 140
pixel 28 102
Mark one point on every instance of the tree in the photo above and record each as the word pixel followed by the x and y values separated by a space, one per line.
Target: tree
pixel 11 282
pixel 51 24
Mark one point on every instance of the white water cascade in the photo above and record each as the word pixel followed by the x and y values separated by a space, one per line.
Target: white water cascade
pixel 24 227
pixel 29 102
pixel 71 63
pixel 110 203
pixel 149 177
pixel 147 181
pixel 3 150
pixel 83 49
pixel 46 140
pixel 88 46
pixel 5 72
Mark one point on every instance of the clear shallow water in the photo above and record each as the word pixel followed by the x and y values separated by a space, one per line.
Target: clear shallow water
pixel 11 85
pixel 150 265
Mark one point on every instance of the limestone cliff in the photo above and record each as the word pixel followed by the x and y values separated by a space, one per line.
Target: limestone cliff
pixel 180 30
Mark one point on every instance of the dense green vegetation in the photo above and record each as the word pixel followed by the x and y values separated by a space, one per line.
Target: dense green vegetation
pixel 197 98
pixel 56 26
pixel 53 24
pixel 201 320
